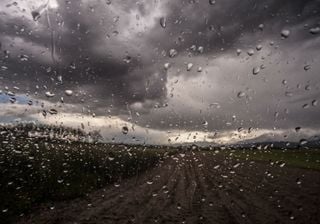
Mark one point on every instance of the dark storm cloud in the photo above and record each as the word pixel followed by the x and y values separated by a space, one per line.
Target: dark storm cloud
pixel 110 78
pixel 220 26
pixel 111 64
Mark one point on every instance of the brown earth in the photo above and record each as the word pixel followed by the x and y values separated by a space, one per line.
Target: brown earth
pixel 198 188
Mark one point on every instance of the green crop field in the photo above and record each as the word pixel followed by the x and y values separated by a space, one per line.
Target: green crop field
pixel 303 158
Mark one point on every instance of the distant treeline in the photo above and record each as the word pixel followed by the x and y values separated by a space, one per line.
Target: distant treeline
pixel 45 131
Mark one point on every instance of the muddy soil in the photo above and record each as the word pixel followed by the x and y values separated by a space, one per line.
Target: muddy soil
pixel 198 187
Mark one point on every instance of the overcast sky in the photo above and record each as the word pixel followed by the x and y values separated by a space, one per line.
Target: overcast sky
pixel 194 70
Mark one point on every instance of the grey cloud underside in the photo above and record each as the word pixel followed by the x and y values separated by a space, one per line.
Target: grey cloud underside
pixel 91 57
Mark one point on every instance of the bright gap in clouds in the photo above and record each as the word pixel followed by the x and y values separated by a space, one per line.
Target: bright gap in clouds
pixel 53 4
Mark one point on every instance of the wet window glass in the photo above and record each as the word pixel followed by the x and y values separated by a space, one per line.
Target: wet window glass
pixel 159 111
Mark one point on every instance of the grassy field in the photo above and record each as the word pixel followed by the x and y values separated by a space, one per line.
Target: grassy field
pixel 37 171
pixel 309 159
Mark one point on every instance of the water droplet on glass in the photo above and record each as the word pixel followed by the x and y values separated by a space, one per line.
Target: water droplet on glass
pixel 298 181
pixel 127 59
pixel 35 15
pixel 163 22
pixel 285 33
pixel 236 165
pixel 205 123
pixel 149 182
pixel 125 130
pixel 68 92
pixel 282 164
pixel 303 142
pixel 238 52
pixel 259 47
pixel 53 111
pixel 305 106
pixel 166 66
pixel 60 181
pixel 189 66
pixel 250 52
pixel 49 94
pixel 172 53
pixel 315 30
pixel 261 26
pixel 314 103
pixel 256 70
pixel 241 94
pixel 200 49
pixel 289 94
pixel 212 2
pixel 307 67
pixel 297 129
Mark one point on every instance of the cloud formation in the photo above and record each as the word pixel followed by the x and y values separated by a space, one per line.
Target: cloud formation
pixel 115 57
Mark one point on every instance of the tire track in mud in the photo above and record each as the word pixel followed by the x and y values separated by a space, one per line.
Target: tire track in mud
pixel 191 188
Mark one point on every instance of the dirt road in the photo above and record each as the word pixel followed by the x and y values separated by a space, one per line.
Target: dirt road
pixel 198 188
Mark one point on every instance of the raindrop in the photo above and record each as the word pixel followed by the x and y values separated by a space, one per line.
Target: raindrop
pixel 199 69
pixel 9 93
pixel 212 2
pixel 308 87
pixel 127 59
pixel 60 181
pixel 149 182
pixel 166 66
pixel 261 26
pixel 189 66
pixel 250 52
pixel 68 92
pixel 298 129
pixel 314 103
pixel 205 123
pixel 24 57
pixel 282 164
pixel 241 94
pixel 125 130
pixel 163 22
pixel 307 67
pixel 256 70
pixel 315 30
pixel 50 94
pixel 305 106
pixel 238 52
pixel 13 100
pixel 285 33
pixel 259 47
pixel 303 142
pixel 172 53
pixel 200 49
pixel 289 94
pixel 193 47
pixel 35 15
pixel 236 165
pixel 298 181
pixel 53 111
